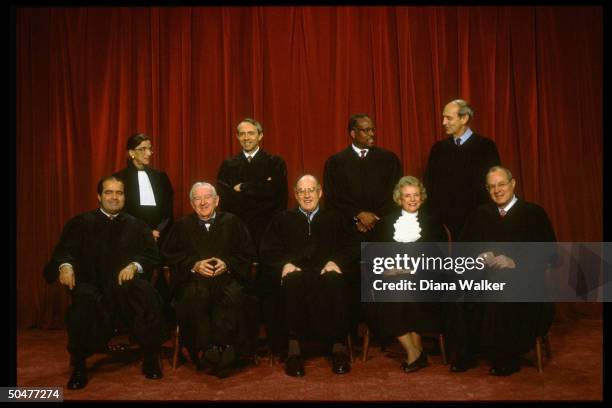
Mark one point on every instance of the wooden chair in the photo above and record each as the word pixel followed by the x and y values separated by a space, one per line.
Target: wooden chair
pixel 542 342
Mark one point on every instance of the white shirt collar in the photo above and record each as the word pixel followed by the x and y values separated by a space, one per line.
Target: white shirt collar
pixel 358 150
pixel 111 216
pixel 250 154
pixel 509 205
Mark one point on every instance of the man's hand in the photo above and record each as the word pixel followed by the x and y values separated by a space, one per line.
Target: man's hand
pixel 330 266
pixel 487 257
pixel 289 268
pixel 220 267
pixel 156 235
pixel 237 187
pixel 367 219
pixel 502 262
pixel 66 276
pixel 127 273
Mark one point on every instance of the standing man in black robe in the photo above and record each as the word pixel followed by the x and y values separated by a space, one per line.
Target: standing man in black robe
pixel 358 184
pixel 101 257
pixel 253 184
pixel 211 254
pixel 305 251
pixel 505 330
pixel 456 168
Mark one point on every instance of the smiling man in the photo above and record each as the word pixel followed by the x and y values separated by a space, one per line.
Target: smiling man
pixel 456 167
pixel 210 253
pixel 304 252
pixel 253 183
pixel 101 257
pixel 509 329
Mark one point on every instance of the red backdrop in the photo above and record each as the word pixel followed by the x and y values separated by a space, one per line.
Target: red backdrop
pixel 88 78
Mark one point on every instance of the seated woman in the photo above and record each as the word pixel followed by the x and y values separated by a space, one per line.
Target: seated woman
pixel 406 320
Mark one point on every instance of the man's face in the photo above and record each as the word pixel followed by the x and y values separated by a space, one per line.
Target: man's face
pixel 204 202
pixel 248 136
pixel 500 188
pixel 308 194
pixel 453 124
pixel 364 133
pixel 112 199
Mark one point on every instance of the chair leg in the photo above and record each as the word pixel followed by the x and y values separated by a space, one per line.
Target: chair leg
pixel 539 353
pixel 177 346
pixel 442 348
pixel 349 342
pixel 366 344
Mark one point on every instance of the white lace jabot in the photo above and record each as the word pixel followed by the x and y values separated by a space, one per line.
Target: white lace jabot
pixel 407 228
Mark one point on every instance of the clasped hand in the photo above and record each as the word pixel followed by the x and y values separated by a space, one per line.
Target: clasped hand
pixel 210 267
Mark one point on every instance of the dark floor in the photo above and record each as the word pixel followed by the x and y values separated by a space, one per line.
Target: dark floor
pixel 43 361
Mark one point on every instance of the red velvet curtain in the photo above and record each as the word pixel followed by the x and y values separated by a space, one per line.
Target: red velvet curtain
pixel 88 78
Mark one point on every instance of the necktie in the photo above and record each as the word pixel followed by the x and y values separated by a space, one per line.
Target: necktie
pixel 458 142
pixel 502 213
pixel 362 153
pixel 206 224
pixel 249 158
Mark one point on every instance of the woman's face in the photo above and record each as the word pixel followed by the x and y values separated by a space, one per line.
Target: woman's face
pixel 141 155
pixel 410 198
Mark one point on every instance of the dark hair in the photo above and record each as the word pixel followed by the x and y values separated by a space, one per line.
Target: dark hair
pixel 105 179
pixel 354 118
pixel 135 140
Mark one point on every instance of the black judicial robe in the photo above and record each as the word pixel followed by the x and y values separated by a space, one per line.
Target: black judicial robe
pixel 511 328
pixel 352 184
pixel 227 239
pixel 98 248
pixel 287 240
pixel 226 317
pixel 263 192
pixel 455 178
pixel 158 217
pixel 393 318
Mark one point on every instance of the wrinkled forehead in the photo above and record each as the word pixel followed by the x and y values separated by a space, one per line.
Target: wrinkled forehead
pixel 112 185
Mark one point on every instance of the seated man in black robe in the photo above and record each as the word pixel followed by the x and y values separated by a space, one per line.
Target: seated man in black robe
pixel 210 253
pixel 101 257
pixel 304 254
pixel 505 330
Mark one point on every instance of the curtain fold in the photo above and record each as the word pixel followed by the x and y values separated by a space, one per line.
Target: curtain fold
pixel 88 78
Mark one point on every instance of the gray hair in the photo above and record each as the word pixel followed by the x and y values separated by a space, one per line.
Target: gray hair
pixel 464 108
pixel 408 181
pixel 500 168
pixel 252 122
pixel 199 184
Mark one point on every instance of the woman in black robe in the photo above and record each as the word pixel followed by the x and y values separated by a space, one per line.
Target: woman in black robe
pixel 406 320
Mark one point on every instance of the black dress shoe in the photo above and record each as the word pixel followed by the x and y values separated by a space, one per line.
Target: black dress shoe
pixel 212 356
pixel 228 356
pixel 416 364
pixel 463 365
pixel 78 379
pixel 340 363
pixel 503 370
pixel 294 366
pixel 151 368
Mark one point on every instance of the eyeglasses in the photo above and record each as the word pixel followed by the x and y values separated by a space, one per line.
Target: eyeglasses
pixel 304 191
pixel 366 130
pixel 144 149
pixel 503 184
